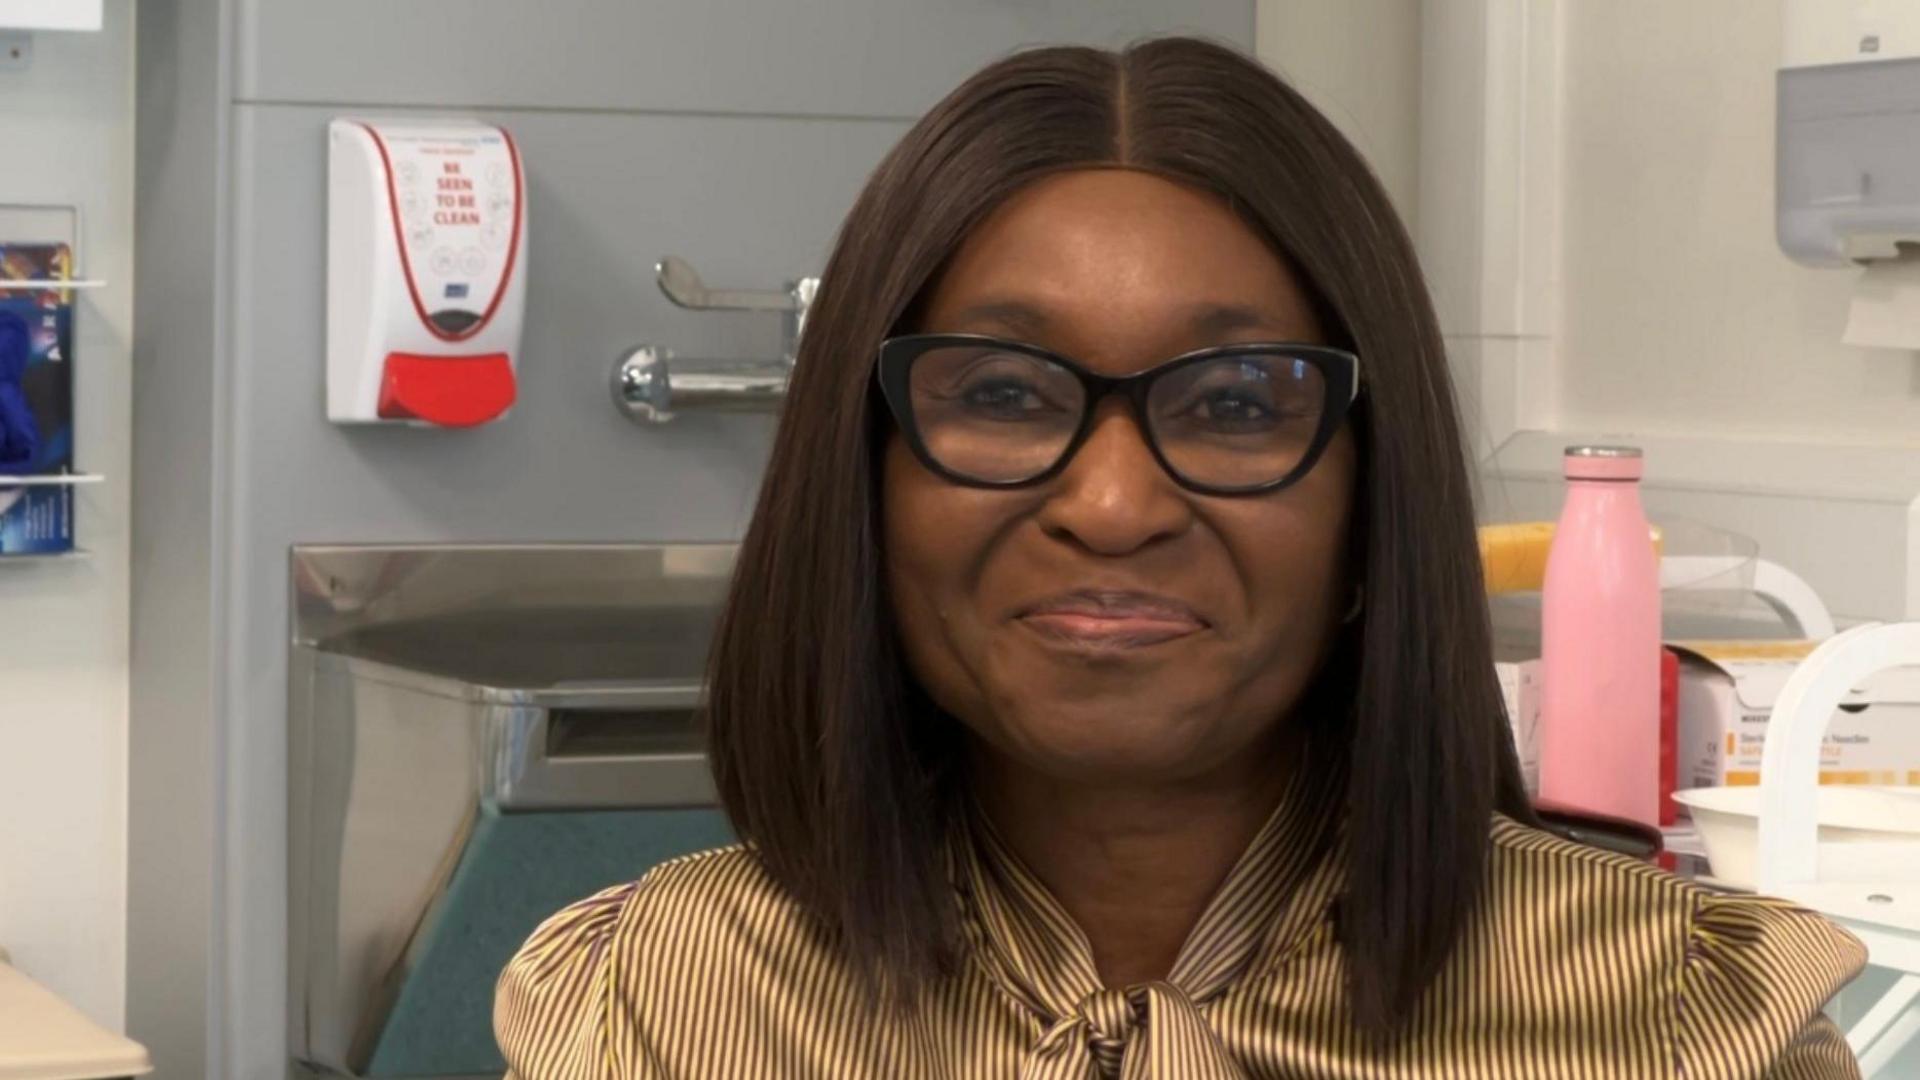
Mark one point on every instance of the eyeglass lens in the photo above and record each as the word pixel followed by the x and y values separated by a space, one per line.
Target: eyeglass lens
pixel 1002 416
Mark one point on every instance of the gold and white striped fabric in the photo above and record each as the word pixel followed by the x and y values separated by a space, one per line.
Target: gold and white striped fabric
pixel 1580 966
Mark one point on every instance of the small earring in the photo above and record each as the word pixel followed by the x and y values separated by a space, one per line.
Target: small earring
pixel 1359 602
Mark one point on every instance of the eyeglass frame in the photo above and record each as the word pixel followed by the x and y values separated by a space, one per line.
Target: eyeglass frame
pixel 893 370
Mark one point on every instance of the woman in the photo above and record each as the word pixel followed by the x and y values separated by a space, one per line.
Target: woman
pixel 1106 689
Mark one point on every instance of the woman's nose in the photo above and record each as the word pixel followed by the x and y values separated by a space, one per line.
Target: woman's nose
pixel 1113 497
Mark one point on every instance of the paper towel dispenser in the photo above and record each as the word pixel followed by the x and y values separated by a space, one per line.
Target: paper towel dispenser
pixel 1847 185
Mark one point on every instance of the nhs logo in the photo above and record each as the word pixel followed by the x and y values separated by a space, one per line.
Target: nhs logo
pixel 456 290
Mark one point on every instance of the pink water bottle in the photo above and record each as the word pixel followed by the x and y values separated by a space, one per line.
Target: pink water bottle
pixel 1600 644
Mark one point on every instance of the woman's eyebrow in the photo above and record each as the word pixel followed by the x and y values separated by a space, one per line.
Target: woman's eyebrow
pixel 1206 321
pixel 1016 316
pixel 1218 320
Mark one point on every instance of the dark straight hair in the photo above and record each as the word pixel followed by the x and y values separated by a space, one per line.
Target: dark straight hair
pixel 831 763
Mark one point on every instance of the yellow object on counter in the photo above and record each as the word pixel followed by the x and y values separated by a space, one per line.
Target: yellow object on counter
pixel 1513 557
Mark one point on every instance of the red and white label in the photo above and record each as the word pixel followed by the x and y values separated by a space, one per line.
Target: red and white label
pixel 456 202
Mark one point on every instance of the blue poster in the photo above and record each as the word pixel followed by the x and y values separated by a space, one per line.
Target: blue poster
pixel 36 400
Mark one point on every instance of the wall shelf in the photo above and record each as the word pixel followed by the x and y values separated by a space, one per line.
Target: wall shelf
pixel 45 558
pixel 52 480
pixel 47 223
pixel 37 284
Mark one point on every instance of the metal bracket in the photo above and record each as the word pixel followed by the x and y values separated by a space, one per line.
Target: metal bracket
pixel 649 383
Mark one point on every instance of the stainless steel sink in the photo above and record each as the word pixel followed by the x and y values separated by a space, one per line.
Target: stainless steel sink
pixel 444 701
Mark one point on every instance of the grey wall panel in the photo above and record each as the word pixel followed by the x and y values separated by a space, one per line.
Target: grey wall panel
pixel 847 58
pixel 749 201
pixel 174 887
pixel 734 134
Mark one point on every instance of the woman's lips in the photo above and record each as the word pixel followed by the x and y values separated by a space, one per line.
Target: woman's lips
pixel 1112 619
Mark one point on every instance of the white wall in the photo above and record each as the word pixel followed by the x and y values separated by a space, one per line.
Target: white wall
pixel 66 126
pixel 1359 62
pixel 1680 314
pixel 1595 185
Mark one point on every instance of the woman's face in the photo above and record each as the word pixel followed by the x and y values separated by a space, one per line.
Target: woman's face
pixel 1108 626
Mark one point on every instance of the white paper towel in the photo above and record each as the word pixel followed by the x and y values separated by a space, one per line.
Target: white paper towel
pixel 1885 313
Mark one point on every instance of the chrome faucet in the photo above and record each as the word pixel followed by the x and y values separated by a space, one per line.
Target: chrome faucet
pixel 651 384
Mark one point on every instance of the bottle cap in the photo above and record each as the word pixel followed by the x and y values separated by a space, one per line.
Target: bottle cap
pixel 1603 463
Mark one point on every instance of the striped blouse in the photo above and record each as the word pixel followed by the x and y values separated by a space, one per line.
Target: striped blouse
pixel 1580 964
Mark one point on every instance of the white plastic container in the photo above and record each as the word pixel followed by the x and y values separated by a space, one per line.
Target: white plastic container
pixel 1859 828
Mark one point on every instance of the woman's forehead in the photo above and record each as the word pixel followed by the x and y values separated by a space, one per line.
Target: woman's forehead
pixel 1118 260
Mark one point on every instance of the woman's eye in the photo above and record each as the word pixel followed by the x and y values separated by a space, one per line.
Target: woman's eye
pixel 1002 397
pixel 1232 407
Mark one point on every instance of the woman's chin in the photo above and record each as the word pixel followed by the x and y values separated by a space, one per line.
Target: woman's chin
pixel 1108 742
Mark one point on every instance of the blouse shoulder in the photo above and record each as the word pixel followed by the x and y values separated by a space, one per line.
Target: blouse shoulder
pixel 1748 975
pixel 562 1007
pixel 1758 973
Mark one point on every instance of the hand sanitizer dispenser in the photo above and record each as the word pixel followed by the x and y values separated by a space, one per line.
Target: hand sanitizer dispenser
pixel 426 278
